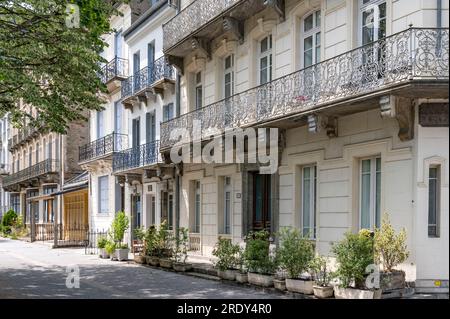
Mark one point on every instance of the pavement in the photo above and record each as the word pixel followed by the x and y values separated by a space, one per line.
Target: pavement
pixel 34 270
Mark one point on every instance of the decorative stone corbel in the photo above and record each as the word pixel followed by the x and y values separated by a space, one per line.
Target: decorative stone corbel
pixel 150 173
pixel 202 45
pixel 225 48
pixel 313 123
pixel 130 178
pixel 402 109
pixel 331 126
pixel 120 179
pixel 235 27
pixel 177 62
pixel 197 64
pixel 278 6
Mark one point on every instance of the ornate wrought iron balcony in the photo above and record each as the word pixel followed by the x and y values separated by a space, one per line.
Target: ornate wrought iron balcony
pixel 151 78
pixel 38 170
pixel 203 19
pixel 117 68
pixel 101 147
pixel 411 56
pixel 137 157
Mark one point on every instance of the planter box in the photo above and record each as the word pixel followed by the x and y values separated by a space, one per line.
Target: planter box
pixel 103 254
pixel 300 286
pixel 182 267
pixel 390 281
pixel 323 292
pixel 352 293
pixel 152 260
pixel 122 254
pixel 260 279
pixel 241 277
pixel 228 274
pixel 280 284
pixel 165 263
pixel 139 259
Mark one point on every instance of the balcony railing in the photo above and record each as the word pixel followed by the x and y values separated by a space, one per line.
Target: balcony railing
pixel 413 54
pixel 108 144
pixel 39 169
pixel 116 68
pixel 147 77
pixel 193 17
pixel 144 155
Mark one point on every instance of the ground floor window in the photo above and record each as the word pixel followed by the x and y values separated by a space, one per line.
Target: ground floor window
pixel 225 210
pixel 309 191
pixel 49 205
pixel 136 211
pixel 15 202
pixel 370 192
pixel 434 194
pixel 167 208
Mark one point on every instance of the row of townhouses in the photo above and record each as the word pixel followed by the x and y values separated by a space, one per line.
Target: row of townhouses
pixel 356 94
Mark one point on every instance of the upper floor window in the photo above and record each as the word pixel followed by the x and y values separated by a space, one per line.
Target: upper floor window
pixel 434 194
pixel 100 124
pixel 265 60
pixel 168 112
pixel 37 152
pixel 118 115
pixel 103 194
pixel 372 20
pixel 198 91
pixel 311 39
pixel 118 44
pixel 370 192
pixel 229 76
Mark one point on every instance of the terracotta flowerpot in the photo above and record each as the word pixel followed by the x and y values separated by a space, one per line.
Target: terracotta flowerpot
pixel 323 292
pixel 139 259
pixel 394 280
pixel 228 274
pixel 182 267
pixel 352 293
pixel 242 277
pixel 166 263
pixel 260 279
pixel 152 260
pixel 280 284
pixel 300 286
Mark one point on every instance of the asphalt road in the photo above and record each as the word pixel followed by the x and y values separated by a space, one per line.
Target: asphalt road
pixel 34 270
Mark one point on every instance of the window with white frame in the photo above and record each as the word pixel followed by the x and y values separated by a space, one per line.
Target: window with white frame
pixel 434 197
pixel 265 60
pixel 370 193
pixel 372 17
pixel 103 194
pixel 168 112
pixel 227 205
pixel 229 76
pixel 100 124
pixel 311 38
pixel 198 91
pixel 197 207
pixel 309 191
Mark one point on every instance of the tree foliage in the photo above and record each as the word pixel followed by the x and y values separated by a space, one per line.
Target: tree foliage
pixel 50 64
pixel 390 248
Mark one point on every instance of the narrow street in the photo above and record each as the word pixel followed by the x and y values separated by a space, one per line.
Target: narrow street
pixel 37 271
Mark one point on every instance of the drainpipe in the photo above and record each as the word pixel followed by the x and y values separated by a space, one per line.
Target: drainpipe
pixel 59 213
pixel 439 25
pixel 177 171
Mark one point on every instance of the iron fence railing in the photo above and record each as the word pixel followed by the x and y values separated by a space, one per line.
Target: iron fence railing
pixel 147 77
pixel 413 54
pixel 108 144
pixel 92 237
pixel 144 155
pixel 39 169
pixel 116 68
pixel 193 17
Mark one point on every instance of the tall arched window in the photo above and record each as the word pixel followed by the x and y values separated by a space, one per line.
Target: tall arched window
pixel 311 38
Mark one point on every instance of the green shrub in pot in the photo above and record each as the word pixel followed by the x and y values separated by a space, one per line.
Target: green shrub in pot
pixel 227 255
pixel 295 254
pixel 181 248
pixel 322 277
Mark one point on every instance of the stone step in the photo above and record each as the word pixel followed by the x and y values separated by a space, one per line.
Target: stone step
pixel 399 293
pixel 204 276
pixel 206 269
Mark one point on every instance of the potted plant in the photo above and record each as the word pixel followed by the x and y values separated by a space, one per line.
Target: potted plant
pixel 151 245
pixel 119 225
pixel 139 234
pixel 322 277
pixel 110 249
pixel 354 253
pixel 295 254
pixel 181 247
pixel 390 251
pixel 257 258
pixel 227 258
pixel 279 281
pixel 101 244
pixel 165 246
pixel 241 274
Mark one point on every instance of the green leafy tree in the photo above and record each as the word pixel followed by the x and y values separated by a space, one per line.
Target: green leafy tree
pixel 120 225
pixel 390 248
pixel 295 252
pixel 353 254
pixel 51 63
